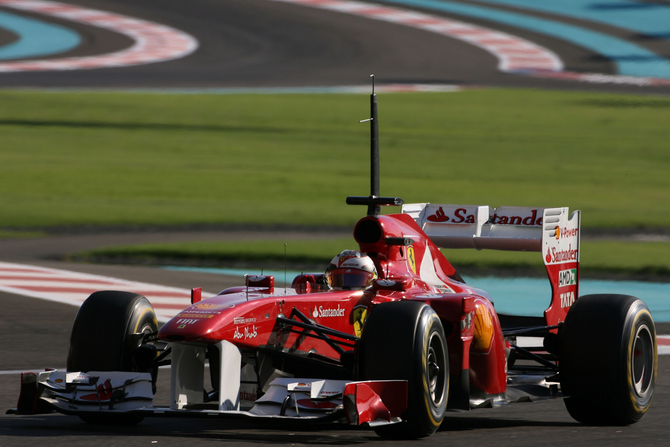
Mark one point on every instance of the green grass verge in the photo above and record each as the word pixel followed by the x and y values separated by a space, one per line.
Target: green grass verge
pixel 259 253
pixel 115 158
pixel 647 260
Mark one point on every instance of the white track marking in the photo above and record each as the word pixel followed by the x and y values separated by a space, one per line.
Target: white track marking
pixel 152 42
pixel 600 78
pixel 514 53
pixel 73 288
pixel 663 344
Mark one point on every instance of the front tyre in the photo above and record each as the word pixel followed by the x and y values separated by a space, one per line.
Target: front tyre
pixel 608 359
pixel 405 340
pixel 106 334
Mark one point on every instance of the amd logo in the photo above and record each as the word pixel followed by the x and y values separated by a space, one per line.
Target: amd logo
pixel 567 277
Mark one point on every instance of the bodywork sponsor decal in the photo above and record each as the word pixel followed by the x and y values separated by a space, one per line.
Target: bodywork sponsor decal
pixel 411 259
pixel 243 320
pixel 567 277
pixel 187 321
pixel 325 312
pixel 208 306
pixel 567 299
pixel 443 288
pixel 557 256
pixel 183 322
pixel 462 215
pixel 103 393
pixel 359 314
pixel 483 329
pixel 246 333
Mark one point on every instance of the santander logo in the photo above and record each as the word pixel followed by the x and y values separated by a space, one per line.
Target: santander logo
pixel 555 256
pixel 461 215
pixel 322 312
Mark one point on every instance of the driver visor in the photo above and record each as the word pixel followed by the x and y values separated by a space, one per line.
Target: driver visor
pixel 345 278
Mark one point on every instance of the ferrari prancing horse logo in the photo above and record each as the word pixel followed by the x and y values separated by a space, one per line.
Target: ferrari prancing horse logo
pixel 359 314
pixel 411 259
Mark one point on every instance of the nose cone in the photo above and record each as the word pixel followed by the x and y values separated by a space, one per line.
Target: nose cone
pixel 196 322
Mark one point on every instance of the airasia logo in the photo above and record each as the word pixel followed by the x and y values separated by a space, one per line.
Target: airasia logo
pixel 461 216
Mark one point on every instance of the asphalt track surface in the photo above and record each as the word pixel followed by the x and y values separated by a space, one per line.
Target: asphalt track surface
pixel 257 43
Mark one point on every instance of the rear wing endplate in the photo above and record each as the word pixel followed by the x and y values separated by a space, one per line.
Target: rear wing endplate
pixel 551 231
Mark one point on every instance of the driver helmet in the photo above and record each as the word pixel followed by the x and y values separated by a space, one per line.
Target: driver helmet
pixel 351 270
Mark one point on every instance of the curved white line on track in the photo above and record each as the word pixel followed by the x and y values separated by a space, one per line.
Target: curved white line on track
pixel 73 288
pixel 514 53
pixel 153 42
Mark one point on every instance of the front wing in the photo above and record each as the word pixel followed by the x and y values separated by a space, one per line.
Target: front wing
pixel 125 393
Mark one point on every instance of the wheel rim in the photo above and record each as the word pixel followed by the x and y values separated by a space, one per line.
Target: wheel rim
pixel 436 370
pixel 642 361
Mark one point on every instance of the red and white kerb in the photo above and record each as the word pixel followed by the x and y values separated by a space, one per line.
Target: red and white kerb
pixel 73 288
pixel 152 42
pixel 514 53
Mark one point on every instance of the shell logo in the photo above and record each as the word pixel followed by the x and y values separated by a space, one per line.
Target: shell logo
pixel 209 306
pixel 483 329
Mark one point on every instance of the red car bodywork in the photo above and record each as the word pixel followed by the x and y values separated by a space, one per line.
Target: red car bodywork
pixel 247 316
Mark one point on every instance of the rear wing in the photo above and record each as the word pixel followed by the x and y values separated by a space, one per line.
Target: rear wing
pixel 548 230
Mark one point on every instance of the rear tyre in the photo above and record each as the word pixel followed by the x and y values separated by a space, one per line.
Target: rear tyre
pixel 405 340
pixel 608 359
pixel 107 331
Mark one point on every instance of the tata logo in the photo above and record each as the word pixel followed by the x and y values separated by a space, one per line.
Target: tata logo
pixel 567 278
pixel 567 299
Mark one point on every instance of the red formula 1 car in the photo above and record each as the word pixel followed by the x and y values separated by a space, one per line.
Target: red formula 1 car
pixel 390 336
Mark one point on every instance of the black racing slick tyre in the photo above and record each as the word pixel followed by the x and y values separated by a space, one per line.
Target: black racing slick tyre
pixel 107 331
pixel 405 340
pixel 608 359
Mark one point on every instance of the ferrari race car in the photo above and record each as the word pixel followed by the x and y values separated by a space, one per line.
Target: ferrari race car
pixel 390 336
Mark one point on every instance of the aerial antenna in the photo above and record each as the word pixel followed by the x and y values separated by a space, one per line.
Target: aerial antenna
pixel 285 261
pixel 374 151
pixel 374 201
